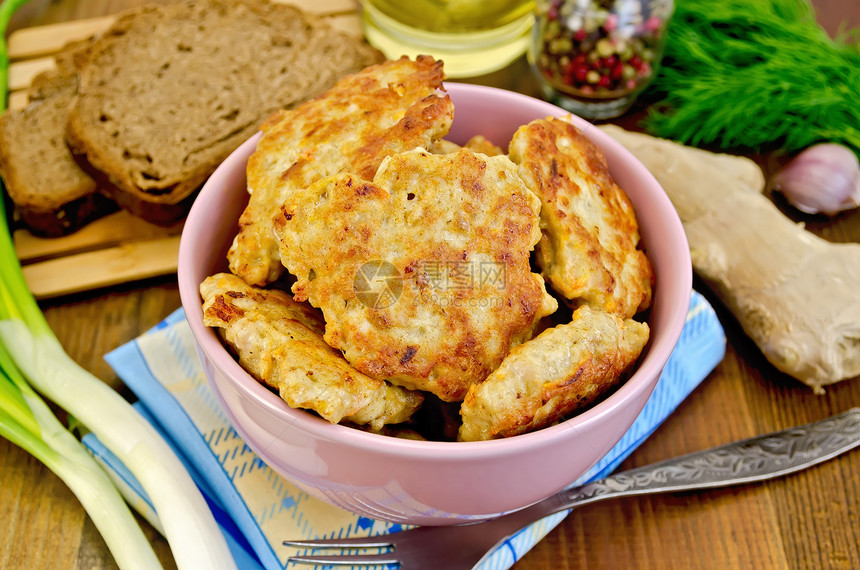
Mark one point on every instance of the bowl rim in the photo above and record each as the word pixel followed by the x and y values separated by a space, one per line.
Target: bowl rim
pixel 648 369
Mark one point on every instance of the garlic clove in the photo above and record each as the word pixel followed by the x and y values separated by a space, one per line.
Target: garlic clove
pixel 823 179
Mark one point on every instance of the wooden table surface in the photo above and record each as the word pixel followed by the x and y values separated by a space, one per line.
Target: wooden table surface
pixel 807 520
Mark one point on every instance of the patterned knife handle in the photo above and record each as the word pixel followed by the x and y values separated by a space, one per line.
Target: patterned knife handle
pixel 745 461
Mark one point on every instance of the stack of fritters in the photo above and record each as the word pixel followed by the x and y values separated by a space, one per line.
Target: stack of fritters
pixel 417 253
pixel 279 341
pixel 457 230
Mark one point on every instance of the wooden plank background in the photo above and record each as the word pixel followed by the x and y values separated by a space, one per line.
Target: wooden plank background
pixel 810 520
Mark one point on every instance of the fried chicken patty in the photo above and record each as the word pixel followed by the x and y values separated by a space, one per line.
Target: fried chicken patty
pixel 589 249
pixel 477 143
pixel 546 379
pixel 382 110
pixel 423 274
pixel 279 342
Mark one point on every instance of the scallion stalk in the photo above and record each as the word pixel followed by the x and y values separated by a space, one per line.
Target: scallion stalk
pixel 26 421
pixel 189 526
pixel 33 353
pixel 7 10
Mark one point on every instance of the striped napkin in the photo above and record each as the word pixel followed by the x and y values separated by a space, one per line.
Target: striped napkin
pixel 257 508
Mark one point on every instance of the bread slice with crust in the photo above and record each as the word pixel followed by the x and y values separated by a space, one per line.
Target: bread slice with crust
pixel 170 90
pixel 52 195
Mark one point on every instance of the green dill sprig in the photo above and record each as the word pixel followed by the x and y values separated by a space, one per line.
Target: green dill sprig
pixel 756 75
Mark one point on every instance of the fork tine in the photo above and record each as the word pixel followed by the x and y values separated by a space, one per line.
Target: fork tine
pixel 355 542
pixel 347 560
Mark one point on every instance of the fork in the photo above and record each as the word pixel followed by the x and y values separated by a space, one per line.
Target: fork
pixel 464 546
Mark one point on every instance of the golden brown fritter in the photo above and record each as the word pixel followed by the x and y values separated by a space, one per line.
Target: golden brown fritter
pixel 422 275
pixel 443 146
pixel 477 143
pixel 548 378
pixel 384 109
pixel 588 252
pixel 279 342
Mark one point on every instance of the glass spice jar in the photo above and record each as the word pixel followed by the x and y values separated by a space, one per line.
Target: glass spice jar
pixel 594 57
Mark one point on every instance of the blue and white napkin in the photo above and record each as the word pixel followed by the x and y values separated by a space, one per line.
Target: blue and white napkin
pixel 257 508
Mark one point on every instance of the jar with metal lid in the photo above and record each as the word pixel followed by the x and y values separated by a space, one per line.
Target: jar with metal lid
pixel 594 57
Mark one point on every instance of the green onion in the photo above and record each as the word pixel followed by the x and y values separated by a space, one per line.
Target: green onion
pixel 29 351
pixel 759 75
pixel 7 10
pixel 189 526
pixel 28 422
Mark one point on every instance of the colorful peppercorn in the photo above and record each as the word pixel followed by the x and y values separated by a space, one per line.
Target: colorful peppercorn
pixel 599 48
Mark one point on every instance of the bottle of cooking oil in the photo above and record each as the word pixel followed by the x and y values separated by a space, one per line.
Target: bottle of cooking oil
pixel 472 37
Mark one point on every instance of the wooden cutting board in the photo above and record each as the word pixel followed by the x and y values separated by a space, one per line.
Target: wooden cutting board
pixel 120 247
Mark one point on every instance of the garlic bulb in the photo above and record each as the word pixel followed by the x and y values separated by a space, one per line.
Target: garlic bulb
pixel 824 178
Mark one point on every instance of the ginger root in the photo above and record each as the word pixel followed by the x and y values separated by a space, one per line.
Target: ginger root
pixel 795 294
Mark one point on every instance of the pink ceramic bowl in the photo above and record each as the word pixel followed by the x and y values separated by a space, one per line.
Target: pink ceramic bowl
pixel 434 483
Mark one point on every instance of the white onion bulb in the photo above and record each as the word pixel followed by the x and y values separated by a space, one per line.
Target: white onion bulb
pixel 823 179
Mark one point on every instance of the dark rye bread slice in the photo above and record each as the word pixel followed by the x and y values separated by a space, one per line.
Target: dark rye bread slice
pixel 169 91
pixel 52 195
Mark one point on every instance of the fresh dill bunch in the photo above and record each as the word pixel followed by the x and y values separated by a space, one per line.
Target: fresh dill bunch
pixel 756 75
